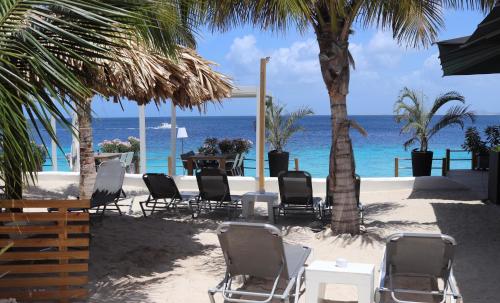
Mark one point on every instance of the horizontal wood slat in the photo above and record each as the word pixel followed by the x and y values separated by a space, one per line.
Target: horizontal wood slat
pixel 45 203
pixel 43 268
pixel 41 229
pixel 46 255
pixel 43 216
pixel 41 282
pixel 43 263
pixel 23 296
pixel 45 242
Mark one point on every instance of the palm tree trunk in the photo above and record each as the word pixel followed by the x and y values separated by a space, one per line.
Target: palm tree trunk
pixel 87 162
pixel 334 62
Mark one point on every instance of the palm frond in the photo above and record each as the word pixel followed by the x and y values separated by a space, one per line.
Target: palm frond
pixel 456 115
pixel 444 99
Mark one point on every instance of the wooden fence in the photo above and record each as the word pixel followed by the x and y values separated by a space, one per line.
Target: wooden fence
pixel 48 259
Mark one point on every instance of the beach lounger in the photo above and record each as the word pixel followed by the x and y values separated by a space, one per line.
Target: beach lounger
pixel 257 250
pixel 214 192
pixel 296 194
pixel 107 188
pixel 327 206
pixel 163 193
pixel 418 268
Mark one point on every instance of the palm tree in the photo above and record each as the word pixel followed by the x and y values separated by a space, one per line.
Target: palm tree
pixel 419 120
pixel 412 22
pixel 43 45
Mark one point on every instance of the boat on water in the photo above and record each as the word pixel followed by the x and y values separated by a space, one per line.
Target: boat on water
pixel 165 125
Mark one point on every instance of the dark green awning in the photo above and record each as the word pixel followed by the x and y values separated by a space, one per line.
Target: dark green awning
pixel 475 54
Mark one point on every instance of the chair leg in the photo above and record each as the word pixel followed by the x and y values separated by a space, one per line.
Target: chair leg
pixel 142 208
pixel 211 296
pixel 118 208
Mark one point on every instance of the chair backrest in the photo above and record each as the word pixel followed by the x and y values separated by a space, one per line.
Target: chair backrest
pixel 108 183
pixel 236 161
pixel 240 162
pixel 213 184
pixel 329 197
pixel 126 158
pixel 409 254
pixel 184 158
pixel 295 187
pixel 161 186
pixel 253 249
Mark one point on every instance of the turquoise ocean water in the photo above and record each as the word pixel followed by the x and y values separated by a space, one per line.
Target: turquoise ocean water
pixel 374 154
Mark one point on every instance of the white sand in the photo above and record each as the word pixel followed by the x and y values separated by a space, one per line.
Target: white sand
pixel 171 258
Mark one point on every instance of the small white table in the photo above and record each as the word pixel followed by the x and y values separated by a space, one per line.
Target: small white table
pixel 319 273
pixel 248 203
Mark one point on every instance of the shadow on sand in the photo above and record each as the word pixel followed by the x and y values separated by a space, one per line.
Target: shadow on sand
pixel 131 253
pixel 444 188
pixel 476 227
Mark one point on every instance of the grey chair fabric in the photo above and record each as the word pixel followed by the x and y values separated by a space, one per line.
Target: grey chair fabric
pixel 214 192
pixel 296 194
pixel 161 187
pixel 415 265
pixel 257 250
pixel 108 185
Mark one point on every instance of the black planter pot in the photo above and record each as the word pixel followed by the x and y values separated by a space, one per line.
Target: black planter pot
pixel 421 163
pixel 483 161
pixel 278 162
pixel 494 178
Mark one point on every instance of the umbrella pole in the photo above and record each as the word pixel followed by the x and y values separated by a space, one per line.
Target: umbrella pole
pixel 173 136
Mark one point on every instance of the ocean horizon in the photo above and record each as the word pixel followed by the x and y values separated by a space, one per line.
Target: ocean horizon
pixel 374 154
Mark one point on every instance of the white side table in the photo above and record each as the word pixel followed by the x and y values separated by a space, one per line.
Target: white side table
pixel 319 273
pixel 248 203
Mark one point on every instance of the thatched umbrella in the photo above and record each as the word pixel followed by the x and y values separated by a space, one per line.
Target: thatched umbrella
pixel 145 76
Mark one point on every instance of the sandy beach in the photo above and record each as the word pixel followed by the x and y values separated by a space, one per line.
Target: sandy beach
pixel 170 257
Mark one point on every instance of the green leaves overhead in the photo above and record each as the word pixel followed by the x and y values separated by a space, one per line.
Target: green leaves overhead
pixel 44 44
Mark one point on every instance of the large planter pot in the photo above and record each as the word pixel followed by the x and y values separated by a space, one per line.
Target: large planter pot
pixel 278 162
pixel 421 163
pixel 482 161
pixel 494 178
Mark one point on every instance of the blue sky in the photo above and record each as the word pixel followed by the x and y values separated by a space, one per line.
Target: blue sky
pixel 383 68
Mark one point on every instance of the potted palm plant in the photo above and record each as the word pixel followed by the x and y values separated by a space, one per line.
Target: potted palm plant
pixel 422 123
pixel 280 127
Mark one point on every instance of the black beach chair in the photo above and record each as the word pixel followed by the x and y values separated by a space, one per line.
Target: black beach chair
pixel 417 268
pixel 257 250
pixel 327 206
pixel 214 192
pixel 296 194
pixel 163 193
pixel 184 159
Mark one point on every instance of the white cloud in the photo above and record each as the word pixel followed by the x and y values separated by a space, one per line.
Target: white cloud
pixel 432 62
pixel 244 51
pixel 299 60
pixel 383 42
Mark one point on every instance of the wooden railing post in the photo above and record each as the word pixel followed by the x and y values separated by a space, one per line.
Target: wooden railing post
pixel 396 167
pixel 448 159
pixel 296 164
pixel 170 162
pixel 444 166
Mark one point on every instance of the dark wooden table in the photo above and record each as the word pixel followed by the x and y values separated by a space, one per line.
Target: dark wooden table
pixel 199 157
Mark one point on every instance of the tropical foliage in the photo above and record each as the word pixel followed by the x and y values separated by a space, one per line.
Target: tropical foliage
pixel 44 44
pixel 281 125
pixel 118 146
pixel 475 144
pixel 421 122
pixel 213 146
